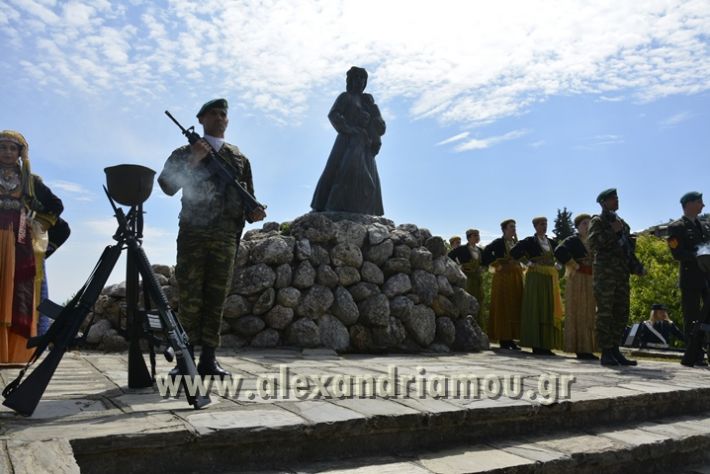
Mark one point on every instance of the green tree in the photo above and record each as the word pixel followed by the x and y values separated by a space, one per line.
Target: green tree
pixel 564 226
pixel 659 285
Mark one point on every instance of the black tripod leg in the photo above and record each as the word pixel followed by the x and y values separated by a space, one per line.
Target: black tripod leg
pixel 138 375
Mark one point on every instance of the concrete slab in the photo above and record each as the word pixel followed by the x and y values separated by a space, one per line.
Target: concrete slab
pixel 33 457
pixel 246 417
pixel 471 460
pixel 321 412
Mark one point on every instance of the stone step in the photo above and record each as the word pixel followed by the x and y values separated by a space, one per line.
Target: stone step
pixel 275 435
pixel 669 445
pixel 108 426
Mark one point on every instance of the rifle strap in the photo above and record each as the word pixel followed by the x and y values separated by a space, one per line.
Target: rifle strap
pixel 13 385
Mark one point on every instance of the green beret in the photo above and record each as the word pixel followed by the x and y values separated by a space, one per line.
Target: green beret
pixel 212 104
pixel 691 196
pixel 604 195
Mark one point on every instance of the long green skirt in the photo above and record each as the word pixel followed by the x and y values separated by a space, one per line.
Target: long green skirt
pixel 541 310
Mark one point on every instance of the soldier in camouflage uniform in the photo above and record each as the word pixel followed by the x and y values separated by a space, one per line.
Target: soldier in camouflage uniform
pixel 614 262
pixel 211 222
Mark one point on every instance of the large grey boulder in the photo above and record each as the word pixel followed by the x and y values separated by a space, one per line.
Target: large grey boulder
pixel 236 306
pixel 346 255
pixel 375 310
pixel 315 227
pixel 425 285
pixel 421 324
pixel 265 302
pixel 303 332
pixel 247 325
pixel 469 336
pixel 274 250
pixel 304 276
pixel 349 232
pixel 333 333
pixel 378 254
pixel 288 297
pixel 279 317
pixel 284 274
pixel 397 284
pixel 267 338
pixel 254 279
pixel 344 307
pixel 315 302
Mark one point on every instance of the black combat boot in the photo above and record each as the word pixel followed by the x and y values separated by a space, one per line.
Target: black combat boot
pixel 208 364
pixel 176 370
pixel 620 357
pixel 542 352
pixel 509 344
pixel 608 357
pixel 586 356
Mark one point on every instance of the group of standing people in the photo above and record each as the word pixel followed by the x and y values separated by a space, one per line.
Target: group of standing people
pixel 525 302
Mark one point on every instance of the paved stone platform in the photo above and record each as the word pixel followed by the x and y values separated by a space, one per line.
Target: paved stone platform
pixel 527 411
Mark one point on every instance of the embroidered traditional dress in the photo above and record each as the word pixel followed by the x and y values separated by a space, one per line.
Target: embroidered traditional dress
pixel 26 207
pixel 506 290
pixel 541 322
pixel 580 305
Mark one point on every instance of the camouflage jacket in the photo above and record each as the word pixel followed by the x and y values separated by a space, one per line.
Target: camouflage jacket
pixel 607 246
pixel 206 203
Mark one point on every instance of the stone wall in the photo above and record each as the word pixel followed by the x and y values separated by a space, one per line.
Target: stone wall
pixel 343 281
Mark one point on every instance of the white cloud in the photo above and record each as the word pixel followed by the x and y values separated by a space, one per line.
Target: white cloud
pixel 74 190
pixel 676 119
pixel 456 61
pixel 455 138
pixel 600 141
pixel 483 143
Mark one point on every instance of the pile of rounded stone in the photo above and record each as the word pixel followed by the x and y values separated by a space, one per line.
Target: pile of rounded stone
pixel 344 281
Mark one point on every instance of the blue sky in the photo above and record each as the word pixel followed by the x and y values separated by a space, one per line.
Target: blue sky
pixel 493 109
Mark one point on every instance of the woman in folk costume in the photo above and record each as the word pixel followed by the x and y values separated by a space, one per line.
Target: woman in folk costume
pixel 541 325
pixel 469 258
pixel 27 210
pixel 580 306
pixel 506 288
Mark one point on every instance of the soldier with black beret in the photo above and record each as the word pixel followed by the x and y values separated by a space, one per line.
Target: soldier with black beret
pixel 684 237
pixel 614 262
pixel 211 222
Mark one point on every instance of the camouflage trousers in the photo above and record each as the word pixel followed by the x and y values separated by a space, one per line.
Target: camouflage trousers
pixel 205 264
pixel 612 295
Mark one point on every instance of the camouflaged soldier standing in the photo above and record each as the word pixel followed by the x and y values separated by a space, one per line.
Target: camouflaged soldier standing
pixel 614 261
pixel 211 222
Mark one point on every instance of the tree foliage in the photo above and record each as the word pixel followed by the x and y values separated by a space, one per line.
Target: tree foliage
pixel 659 285
pixel 564 226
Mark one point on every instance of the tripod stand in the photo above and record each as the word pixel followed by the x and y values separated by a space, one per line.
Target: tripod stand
pixel 23 397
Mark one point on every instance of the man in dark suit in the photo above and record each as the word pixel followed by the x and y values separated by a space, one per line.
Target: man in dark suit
pixel 685 236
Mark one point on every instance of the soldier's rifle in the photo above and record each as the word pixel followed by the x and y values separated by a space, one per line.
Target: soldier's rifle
pixel 223 170
pixel 23 396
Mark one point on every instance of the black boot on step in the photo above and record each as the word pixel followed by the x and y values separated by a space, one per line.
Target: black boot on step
pixel 620 357
pixel 608 358
pixel 208 364
pixel 176 370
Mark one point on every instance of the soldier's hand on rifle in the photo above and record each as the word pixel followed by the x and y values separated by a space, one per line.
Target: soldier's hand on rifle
pixel 199 150
pixel 257 214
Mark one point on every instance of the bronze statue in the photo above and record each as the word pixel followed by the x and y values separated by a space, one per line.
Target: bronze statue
pixel 350 182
